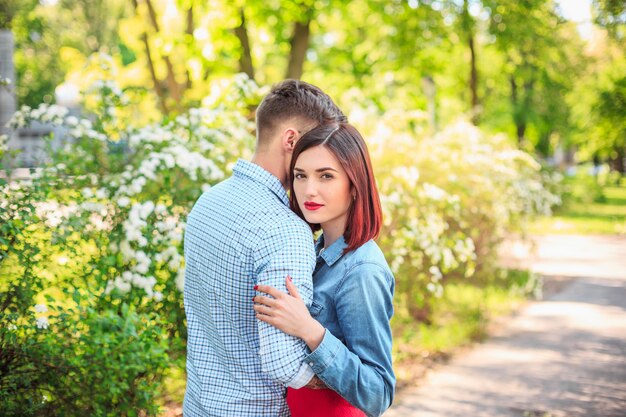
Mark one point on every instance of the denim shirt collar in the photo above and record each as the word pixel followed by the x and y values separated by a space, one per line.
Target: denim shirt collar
pixel 333 253
pixel 257 174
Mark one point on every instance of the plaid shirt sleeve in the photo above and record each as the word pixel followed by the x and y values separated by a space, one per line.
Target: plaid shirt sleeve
pixel 287 249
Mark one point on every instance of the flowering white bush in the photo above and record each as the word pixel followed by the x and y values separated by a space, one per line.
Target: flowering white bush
pixel 448 199
pixel 104 222
pixel 129 197
pixel 100 229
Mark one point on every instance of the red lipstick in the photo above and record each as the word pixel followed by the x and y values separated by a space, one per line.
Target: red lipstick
pixel 309 205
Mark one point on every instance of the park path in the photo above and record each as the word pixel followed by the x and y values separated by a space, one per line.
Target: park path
pixel 564 356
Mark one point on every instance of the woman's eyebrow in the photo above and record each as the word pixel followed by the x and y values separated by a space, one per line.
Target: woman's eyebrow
pixel 317 170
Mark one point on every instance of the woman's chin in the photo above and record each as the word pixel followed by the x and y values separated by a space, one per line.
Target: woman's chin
pixel 311 219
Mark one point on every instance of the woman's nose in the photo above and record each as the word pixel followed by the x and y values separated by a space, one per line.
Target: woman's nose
pixel 311 189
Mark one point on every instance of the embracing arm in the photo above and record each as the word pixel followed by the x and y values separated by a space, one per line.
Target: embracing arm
pixel 361 370
pixel 283 253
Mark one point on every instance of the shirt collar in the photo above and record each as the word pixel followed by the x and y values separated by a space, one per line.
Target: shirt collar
pixel 257 174
pixel 331 254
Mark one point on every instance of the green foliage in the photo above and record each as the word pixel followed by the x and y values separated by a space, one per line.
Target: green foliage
pixel 461 316
pixel 51 353
pixel 448 201
pixel 611 14
pixel 591 205
pixel 49 363
pixel 106 217
pixel 528 63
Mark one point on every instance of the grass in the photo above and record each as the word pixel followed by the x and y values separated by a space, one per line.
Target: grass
pixel 588 209
pixel 461 316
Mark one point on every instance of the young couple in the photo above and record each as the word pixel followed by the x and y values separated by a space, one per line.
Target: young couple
pixel 267 307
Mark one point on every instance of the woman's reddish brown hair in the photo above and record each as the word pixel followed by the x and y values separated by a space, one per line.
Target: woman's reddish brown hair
pixel 347 144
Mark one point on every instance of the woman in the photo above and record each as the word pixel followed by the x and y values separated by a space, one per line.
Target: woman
pixel 347 327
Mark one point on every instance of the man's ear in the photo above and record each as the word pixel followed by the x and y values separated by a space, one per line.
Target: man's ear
pixel 289 139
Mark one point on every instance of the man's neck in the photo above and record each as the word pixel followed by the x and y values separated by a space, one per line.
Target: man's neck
pixel 272 165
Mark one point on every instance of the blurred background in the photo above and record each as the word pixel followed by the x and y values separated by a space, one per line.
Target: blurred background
pixel 488 121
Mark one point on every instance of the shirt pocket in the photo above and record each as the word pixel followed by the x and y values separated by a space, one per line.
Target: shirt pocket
pixel 315 309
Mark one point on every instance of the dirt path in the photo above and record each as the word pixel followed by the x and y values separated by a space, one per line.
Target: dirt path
pixel 561 357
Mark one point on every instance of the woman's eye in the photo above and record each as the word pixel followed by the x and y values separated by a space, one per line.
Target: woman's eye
pixel 299 176
pixel 327 176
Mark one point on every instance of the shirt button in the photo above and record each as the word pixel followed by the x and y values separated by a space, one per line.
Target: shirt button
pixel 310 363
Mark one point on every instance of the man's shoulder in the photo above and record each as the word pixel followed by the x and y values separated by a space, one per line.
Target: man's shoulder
pixel 289 222
pixel 236 195
pixel 248 203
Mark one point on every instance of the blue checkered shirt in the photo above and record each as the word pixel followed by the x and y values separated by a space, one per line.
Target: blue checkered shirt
pixel 240 233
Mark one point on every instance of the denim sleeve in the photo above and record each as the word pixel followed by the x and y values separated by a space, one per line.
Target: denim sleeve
pixel 287 249
pixel 361 370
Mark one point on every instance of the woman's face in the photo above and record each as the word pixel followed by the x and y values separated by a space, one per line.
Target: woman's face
pixel 322 189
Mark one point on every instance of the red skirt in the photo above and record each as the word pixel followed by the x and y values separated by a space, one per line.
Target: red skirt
pixel 305 402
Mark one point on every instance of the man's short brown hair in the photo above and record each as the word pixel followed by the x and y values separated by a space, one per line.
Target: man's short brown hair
pixel 295 99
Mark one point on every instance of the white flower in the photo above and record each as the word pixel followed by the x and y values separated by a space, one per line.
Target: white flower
pixel 127 252
pixel 160 209
pixel 435 272
pixel 42 323
pixel 180 279
pixel 123 201
pixel 41 308
pixel 109 287
pixel 433 192
pixel 141 268
pixel 146 209
pixel 87 192
pixel 121 285
pixel 158 295
pixel 101 193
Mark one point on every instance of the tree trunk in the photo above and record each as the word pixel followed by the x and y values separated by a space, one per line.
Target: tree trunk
pixel 520 129
pixel 617 163
pixel 245 61
pixel 299 46
pixel 175 89
pixel 518 116
pixel 468 28
pixel 155 80
pixel 473 80
pixel 189 31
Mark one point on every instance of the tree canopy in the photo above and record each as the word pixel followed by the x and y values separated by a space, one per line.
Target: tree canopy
pixel 512 66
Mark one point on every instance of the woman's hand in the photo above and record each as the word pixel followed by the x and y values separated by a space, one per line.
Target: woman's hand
pixel 287 312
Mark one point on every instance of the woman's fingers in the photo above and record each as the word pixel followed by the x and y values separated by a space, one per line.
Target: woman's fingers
pixel 269 290
pixel 270 302
pixel 263 317
pixel 262 309
pixel 291 287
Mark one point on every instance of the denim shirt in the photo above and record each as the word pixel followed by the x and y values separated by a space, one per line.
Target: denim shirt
pixel 352 299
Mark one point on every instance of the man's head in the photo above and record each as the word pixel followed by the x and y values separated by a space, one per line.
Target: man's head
pixel 292 108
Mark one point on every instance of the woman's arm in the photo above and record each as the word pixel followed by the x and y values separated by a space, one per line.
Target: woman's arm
pixel 359 367
pixel 288 313
pixel 359 370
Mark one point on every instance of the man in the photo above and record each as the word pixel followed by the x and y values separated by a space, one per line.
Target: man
pixel 239 234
